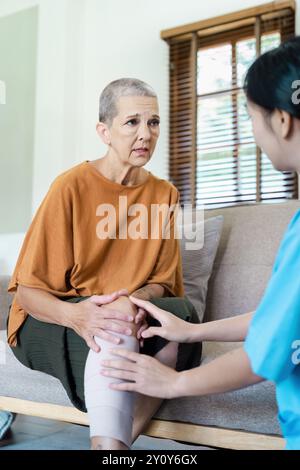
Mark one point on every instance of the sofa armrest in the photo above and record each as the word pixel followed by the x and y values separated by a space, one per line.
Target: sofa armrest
pixel 5 300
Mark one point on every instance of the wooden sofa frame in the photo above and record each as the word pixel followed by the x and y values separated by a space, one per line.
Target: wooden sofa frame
pixel 190 433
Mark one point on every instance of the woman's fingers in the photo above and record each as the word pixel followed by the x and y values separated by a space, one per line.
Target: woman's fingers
pixel 92 344
pixel 118 364
pixel 130 355
pixel 154 311
pixel 118 374
pixel 103 299
pixel 123 292
pixel 108 298
pixel 116 327
pixel 153 331
pixel 140 316
pixel 116 314
pixel 108 337
pixel 124 386
pixel 140 331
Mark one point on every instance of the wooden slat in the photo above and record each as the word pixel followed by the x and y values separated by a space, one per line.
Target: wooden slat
pixel 258 150
pixel 43 410
pixel 226 27
pixel 213 436
pixel 182 81
pixel 194 51
pixel 228 18
pixel 242 23
pixel 190 433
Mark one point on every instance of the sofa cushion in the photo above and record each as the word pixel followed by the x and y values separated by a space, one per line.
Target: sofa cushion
pixel 250 238
pixel 230 410
pixel 197 264
pixel 251 409
pixel 5 300
pixel 18 381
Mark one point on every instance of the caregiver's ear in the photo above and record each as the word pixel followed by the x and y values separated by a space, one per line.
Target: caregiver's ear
pixel 282 122
pixel 103 132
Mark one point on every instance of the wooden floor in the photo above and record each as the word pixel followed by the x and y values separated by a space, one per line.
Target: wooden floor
pixel 31 433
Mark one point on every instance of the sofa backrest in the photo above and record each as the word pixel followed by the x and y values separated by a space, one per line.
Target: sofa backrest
pixel 249 243
pixel 5 300
pixel 250 239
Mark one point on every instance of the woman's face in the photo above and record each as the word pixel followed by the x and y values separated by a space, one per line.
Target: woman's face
pixel 269 136
pixel 134 131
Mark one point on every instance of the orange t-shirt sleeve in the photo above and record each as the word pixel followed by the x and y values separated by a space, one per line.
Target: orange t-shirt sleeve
pixel 46 258
pixel 168 268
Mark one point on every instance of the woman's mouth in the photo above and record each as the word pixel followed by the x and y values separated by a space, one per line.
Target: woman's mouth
pixel 141 151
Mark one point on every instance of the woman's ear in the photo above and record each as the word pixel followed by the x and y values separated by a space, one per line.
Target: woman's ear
pixel 286 123
pixel 103 132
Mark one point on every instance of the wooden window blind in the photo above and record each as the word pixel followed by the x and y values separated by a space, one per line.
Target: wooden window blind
pixel 213 157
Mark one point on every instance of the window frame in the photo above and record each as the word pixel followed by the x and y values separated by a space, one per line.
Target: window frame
pixel 188 39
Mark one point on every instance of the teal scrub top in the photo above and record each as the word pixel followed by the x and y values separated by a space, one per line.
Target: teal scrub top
pixel 273 341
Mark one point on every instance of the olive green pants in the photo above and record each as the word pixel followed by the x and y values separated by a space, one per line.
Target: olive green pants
pixel 62 353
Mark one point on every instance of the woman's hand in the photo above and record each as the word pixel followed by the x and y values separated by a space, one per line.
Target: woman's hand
pixel 172 327
pixel 99 315
pixel 139 314
pixel 141 373
pixel 141 321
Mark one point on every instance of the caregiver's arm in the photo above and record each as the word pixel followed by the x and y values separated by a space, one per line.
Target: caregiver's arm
pixel 146 375
pixel 227 329
pixel 88 318
pixel 228 372
pixel 175 329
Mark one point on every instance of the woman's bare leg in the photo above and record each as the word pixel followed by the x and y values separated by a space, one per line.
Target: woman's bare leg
pixel 105 443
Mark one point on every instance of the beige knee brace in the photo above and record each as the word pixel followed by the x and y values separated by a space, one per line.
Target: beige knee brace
pixel 110 411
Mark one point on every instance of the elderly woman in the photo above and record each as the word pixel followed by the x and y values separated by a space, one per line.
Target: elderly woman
pixel 76 269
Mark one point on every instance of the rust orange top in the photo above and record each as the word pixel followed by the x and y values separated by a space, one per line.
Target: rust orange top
pixel 63 254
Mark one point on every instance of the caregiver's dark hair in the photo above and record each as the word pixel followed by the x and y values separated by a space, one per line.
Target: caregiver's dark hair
pixel 268 82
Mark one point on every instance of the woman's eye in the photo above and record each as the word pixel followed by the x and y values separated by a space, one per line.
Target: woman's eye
pixel 132 122
pixel 154 122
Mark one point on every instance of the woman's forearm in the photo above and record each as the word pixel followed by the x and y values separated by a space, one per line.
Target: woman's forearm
pixel 44 306
pixel 229 372
pixel 149 291
pixel 228 329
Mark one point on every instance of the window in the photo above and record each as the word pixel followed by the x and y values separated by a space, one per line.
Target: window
pixel 213 156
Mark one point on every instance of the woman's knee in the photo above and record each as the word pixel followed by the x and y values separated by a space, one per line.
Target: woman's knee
pixel 123 304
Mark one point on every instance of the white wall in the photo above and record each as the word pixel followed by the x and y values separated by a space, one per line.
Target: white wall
pixel 82 45
pixel 129 44
pixel 57 130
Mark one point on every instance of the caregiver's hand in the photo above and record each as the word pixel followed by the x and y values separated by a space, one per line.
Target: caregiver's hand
pixel 99 315
pixel 141 321
pixel 172 327
pixel 141 373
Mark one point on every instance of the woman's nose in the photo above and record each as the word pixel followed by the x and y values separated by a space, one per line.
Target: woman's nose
pixel 144 132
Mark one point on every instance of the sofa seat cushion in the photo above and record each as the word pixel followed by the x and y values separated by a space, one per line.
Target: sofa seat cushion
pixel 252 409
pixel 20 382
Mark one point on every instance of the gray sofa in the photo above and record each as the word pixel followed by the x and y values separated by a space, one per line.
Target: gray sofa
pixel 245 419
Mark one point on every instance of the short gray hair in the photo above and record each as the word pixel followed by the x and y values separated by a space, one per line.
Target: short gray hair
pixel 109 97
